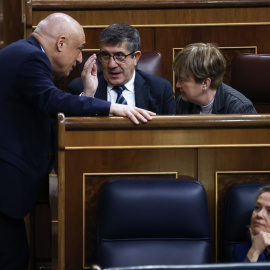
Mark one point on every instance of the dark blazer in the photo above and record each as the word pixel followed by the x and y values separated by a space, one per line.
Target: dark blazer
pixel 29 101
pixel 240 253
pixel 151 92
pixel 227 101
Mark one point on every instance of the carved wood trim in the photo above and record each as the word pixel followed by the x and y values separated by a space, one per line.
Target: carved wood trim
pixel 127 4
pixel 183 121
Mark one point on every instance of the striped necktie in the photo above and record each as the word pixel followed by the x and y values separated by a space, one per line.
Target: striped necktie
pixel 120 98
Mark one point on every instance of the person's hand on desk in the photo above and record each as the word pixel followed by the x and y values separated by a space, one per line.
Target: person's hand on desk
pixel 89 77
pixel 133 113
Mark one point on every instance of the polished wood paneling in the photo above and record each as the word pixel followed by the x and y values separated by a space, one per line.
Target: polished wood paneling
pixel 93 150
pixel 235 38
pixel 166 25
pixel 91 168
pixel 1 24
pixel 140 16
pixel 13 21
pixel 117 4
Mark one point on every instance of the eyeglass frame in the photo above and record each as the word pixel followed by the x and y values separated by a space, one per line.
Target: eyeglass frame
pixel 99 55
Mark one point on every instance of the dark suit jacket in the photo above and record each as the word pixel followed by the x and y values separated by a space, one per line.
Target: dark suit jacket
pixel 240 253
pixel 29 101
pixel 227 101
pixel 151 92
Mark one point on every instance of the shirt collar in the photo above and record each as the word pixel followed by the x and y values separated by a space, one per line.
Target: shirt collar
pixel 42 48
pixel 129 85
pixel 208 108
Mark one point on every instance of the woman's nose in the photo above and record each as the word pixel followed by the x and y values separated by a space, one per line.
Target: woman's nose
pixel 261 213
pixel 178 84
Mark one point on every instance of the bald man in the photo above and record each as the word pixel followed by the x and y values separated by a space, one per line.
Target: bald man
pixel 29 101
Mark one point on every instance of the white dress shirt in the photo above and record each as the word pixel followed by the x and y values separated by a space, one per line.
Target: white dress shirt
pixel 128 93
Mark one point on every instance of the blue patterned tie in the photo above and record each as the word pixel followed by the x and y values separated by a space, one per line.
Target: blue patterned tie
pixel 120 98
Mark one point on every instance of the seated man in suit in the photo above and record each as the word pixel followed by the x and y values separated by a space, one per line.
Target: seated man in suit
pixel 119 53
pixel 199 68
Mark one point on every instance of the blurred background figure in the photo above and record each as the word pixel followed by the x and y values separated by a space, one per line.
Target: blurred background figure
pixel 258 248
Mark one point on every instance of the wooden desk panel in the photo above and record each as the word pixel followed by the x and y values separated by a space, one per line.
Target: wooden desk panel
pixel 90 18
pixel 89 169
pixel 167 25
pixel 217 168
pixel 211 149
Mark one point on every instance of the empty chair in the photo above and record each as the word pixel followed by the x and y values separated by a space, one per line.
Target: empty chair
pixel 240 204
pixel 151 62
pixel 250 76
pixel 213 266
pixel 153 222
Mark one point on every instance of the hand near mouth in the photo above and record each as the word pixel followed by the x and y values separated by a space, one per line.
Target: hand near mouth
pixel 260 242
pixel 89 77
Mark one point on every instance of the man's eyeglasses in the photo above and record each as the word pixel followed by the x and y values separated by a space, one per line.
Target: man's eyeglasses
pixel 119 58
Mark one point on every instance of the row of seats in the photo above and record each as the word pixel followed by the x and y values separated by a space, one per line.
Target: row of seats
pixel 165 222
pixel 249 74
pixel 220 266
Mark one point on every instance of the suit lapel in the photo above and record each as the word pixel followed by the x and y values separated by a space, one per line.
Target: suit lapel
pixel 142 92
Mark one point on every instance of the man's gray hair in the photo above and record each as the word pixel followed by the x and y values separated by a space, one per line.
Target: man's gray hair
pixel 119 33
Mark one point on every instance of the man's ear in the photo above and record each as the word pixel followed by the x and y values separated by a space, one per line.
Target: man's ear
pixel 60 43
pixel 137 56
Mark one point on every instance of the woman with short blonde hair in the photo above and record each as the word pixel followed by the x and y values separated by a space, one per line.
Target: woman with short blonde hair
pixel 199 68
